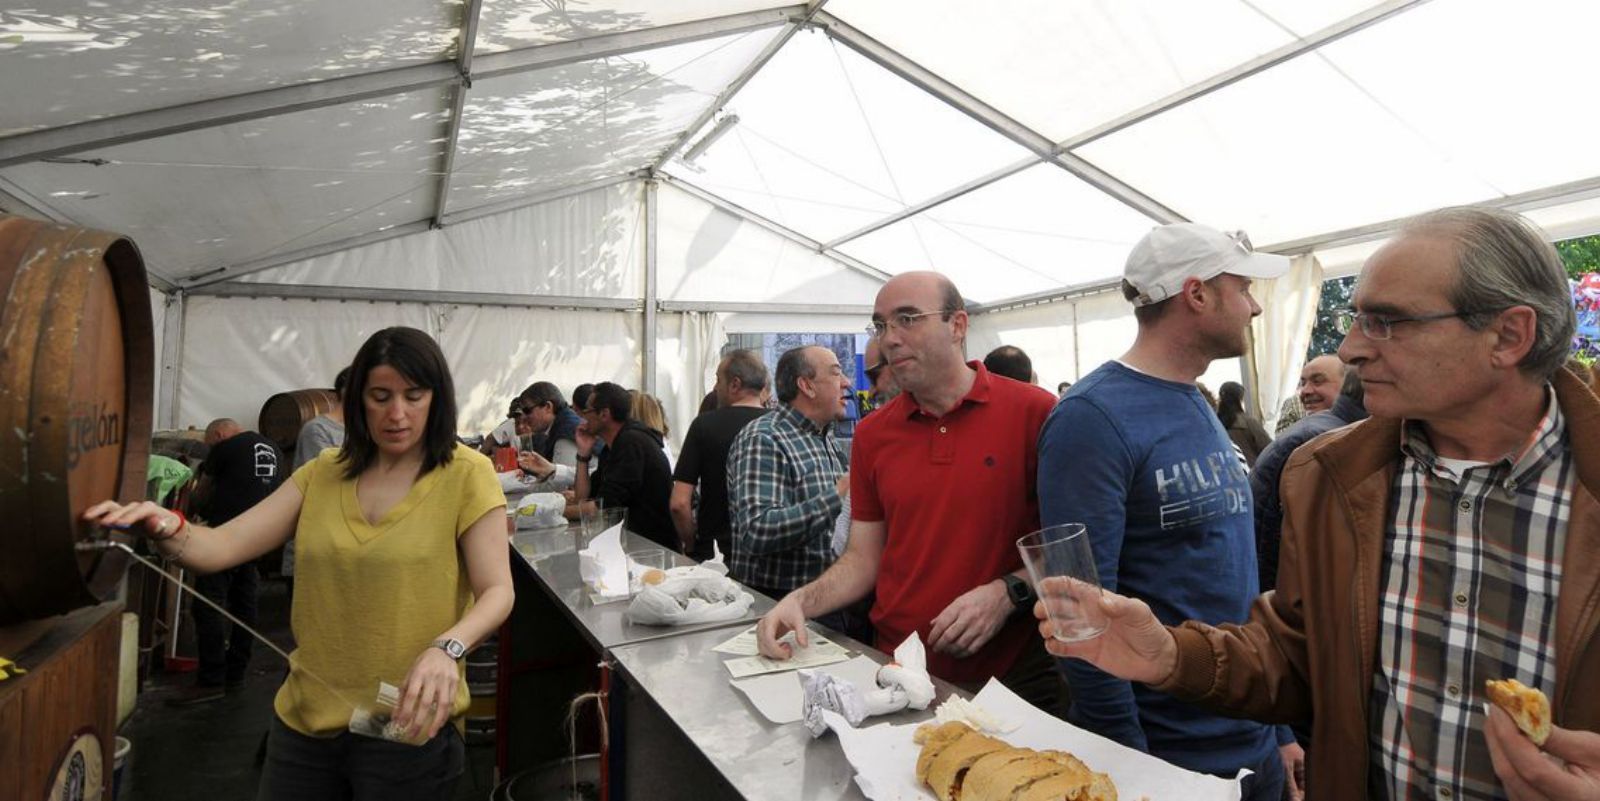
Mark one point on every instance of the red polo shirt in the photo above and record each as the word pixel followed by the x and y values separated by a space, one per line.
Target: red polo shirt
pixel 955 493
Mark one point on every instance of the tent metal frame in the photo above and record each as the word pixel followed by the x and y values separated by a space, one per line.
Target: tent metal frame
pixel 458 102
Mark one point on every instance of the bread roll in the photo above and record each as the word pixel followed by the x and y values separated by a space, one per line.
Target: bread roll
pixel 652 576
pixel 1526 705
pixel 960 764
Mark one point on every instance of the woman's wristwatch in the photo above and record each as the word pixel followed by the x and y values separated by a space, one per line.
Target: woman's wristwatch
pixel 456 649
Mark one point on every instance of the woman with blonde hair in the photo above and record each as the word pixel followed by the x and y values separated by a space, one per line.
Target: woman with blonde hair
pixel 648 411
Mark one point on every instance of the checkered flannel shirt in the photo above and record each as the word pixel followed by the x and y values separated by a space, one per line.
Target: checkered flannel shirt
pixel 783 499
pixel 1468 593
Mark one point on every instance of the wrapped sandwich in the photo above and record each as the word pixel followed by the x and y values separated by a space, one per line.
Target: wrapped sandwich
pixel 959 763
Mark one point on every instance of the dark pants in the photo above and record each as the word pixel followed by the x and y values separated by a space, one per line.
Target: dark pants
pixel 1035 678
pixel 225 647
pixel 353 767
pixel 1266 784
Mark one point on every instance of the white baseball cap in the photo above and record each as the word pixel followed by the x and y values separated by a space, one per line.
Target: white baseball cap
pixel 1172 254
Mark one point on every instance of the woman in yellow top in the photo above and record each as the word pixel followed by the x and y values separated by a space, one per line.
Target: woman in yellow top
pixel 402 566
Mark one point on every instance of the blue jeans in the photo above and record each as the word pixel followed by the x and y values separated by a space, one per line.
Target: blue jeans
pixel 353 767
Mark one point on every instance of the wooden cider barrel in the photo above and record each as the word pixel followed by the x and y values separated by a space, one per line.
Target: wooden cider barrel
pixel 76 373
pixel 283 415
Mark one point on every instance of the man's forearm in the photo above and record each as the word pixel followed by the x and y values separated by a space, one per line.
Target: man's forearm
pixel 847 581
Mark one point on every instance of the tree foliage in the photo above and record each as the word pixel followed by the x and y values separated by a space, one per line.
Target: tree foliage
pixel 1580 255
pixel 1325 336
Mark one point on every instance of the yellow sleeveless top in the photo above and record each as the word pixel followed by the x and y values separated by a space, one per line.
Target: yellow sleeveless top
pixel 368 598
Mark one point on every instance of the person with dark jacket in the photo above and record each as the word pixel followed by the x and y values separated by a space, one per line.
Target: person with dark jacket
pixel 1245 431
pixel 240 470
pixel 554 460
pixel 1346 409
pixel 633 472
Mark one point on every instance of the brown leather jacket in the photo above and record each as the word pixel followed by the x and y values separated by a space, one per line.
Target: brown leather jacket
pixel 1309 649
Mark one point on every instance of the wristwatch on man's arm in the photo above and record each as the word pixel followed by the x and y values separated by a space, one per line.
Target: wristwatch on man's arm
pixel 1020 592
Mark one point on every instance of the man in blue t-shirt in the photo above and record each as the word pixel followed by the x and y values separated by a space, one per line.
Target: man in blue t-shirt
pixel 1135 453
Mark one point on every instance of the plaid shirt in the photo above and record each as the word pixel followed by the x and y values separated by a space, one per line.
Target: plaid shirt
pixel 783 499
pixel 1468 593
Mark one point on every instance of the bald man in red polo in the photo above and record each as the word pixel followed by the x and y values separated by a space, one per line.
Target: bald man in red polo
pixel 942 484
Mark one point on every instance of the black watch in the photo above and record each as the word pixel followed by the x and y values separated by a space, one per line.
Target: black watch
pixel 1019 591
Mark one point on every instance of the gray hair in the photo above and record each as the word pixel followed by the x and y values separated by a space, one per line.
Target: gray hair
pixel 1505 261
pixel 793 366
pixel 747 367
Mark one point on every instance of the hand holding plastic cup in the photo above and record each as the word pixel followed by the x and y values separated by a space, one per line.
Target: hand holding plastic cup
pixel 1061 565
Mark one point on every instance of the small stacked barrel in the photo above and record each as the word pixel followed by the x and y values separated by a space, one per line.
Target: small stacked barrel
pixel 76 377
pixel 483 673
pixel 283 415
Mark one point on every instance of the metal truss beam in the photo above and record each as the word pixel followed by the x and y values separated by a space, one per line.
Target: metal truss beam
pixel 1047 296
pixel 1255 66
pixel 939 199
pixel 95 134
pixel 171 380
pixel 732 89
pixel 458 102
pixel 1572 192
pixel 235 272
pixel 382 295
pixel 733 307
pixel 993 118
pixel 651 231
pixel 777 228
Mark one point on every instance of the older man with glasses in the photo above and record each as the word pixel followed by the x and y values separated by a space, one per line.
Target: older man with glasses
pixel 1448 540
pixel 941 487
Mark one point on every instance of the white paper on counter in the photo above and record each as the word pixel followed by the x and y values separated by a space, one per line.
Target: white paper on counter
pixel 604 567
pixel 815 655
pixel 885 758
pixel 744 643
pixel 780 698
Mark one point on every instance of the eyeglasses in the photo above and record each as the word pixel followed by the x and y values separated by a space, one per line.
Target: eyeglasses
pixel 1381 326
pixel 899 322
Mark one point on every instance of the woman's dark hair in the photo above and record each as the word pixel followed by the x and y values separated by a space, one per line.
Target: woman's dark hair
pixel 1230 403
pixel 541 392
pixel 417 357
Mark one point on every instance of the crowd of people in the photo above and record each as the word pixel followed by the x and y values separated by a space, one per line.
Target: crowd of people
pixel 1320 606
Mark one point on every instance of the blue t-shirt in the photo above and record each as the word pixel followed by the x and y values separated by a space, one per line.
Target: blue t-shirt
pixel 1146 465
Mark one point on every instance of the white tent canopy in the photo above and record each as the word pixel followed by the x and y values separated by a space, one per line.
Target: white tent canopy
pixel 647 176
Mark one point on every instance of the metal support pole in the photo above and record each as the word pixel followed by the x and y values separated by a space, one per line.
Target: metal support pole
pixel 651 230
pixel 172 358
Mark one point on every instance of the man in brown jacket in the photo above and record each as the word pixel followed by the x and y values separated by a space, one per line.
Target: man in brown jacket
pixel 1451 539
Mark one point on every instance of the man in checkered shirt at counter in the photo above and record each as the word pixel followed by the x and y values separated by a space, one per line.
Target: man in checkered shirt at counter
pixel 788 475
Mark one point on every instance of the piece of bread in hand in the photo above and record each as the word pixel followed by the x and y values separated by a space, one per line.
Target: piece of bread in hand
pixel 1526 705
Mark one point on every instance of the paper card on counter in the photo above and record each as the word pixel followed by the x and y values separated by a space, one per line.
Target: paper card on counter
pixel 744 643
pixel 820 653
pixel 885 758
pixel 603 565
pixel 780 698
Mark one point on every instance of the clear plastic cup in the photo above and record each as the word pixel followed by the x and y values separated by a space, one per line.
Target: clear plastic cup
pixel 597 520
pixel 648 566
pixel 1061 565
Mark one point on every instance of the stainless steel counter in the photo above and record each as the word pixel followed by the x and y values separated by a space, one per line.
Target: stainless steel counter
pixel 553 556
pixel 678 686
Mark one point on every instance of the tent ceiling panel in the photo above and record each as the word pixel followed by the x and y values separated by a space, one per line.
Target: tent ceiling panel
pixel 1062 68
pixel 510 24
pixel 542 130
pixel 1485 114
pixel 707 254
pixel 87 59
pixel 827 142
pixel 589 245
pixel 222 196
pixel 1038 230
pixel 1294 151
